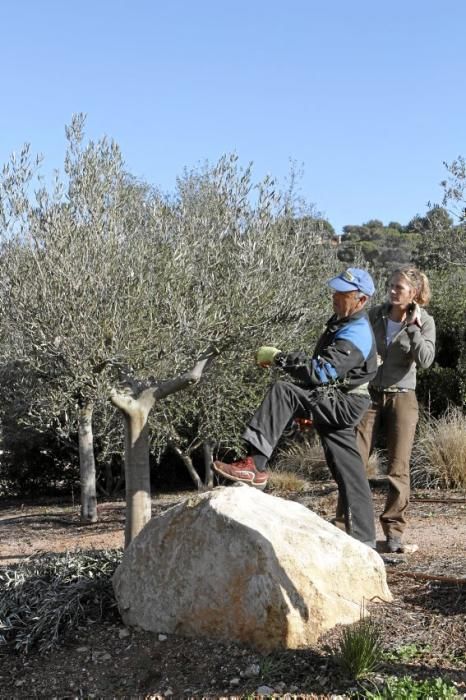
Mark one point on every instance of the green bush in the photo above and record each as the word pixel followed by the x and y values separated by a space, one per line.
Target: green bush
pixel 438 387
pixel 445 382
pixel 407 688
pixel 360 649
pixel 370 251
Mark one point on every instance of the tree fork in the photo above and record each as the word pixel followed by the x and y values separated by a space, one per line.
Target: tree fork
pixel 135 405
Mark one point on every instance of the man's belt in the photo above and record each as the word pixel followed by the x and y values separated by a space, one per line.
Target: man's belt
pixel 390 389
pixel 361 390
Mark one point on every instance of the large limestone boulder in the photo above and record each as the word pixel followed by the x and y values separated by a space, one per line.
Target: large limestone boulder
pixel 239 564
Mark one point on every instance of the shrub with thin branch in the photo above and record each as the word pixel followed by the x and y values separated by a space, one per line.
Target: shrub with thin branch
pixel 48 596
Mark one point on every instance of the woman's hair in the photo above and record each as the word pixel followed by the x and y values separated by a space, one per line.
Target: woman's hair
pixel 418 281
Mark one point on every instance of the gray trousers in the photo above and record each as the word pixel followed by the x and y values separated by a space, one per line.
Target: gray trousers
pixel 335 414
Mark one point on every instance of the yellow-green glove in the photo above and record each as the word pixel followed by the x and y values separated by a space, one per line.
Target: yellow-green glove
pixel 266 355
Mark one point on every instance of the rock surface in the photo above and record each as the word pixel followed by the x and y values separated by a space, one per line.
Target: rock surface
pixel 239 564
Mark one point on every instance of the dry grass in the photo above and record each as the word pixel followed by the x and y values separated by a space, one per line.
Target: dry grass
pixel 439 456
pixel 305 459
pixel 287 481
pixel 438 459
pixel 377 464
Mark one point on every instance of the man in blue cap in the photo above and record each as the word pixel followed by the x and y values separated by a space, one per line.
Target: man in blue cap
pixel 331 387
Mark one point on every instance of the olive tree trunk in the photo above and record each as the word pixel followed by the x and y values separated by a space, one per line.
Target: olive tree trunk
pixel 87 464
pixel 136 407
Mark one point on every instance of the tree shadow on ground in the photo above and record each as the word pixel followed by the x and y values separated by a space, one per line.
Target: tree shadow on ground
pixel 445 598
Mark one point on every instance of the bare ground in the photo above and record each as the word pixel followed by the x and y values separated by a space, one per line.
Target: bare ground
pixel 424 627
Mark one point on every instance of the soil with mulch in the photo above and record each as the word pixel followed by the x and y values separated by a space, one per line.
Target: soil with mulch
pixel 424 628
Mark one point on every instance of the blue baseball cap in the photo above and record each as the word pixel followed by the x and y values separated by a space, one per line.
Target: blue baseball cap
pixel 351 280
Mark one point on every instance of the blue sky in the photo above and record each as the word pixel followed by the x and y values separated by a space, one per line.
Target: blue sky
pixel 367 97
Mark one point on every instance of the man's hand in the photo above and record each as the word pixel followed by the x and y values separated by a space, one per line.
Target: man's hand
pixel 413 315
pixel 266 355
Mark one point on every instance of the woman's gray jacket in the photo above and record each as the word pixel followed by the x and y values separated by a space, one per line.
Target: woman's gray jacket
pixel 412 347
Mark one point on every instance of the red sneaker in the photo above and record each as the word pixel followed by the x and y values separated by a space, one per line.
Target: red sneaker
pixel 244 470
pixel 260 479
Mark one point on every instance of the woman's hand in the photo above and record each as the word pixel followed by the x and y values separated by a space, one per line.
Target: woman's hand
pixel 413 315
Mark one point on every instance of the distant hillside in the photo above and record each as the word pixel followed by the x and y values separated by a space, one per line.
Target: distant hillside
pixel 388 247
pixel 382 247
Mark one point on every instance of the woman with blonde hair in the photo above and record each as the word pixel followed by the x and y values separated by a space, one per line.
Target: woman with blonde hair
pixel 405 338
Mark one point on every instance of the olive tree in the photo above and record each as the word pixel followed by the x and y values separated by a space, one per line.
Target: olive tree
pixel 71 277
pixel 251 269
pixel 103 276
pixel 443 243
pixel 240 269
